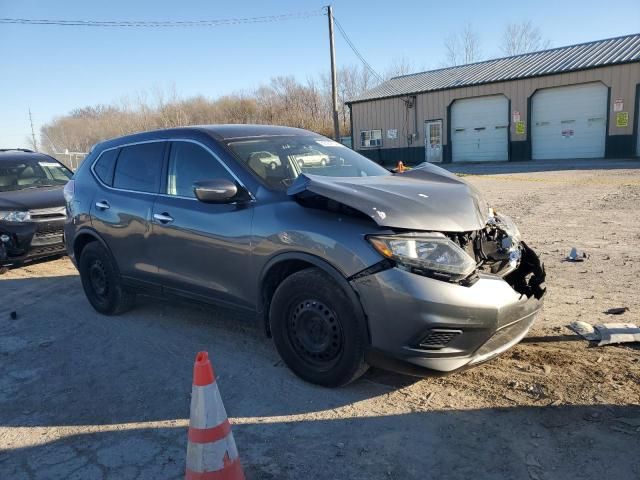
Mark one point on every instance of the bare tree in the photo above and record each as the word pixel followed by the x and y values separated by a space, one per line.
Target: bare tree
pixel 399 66
pixel 523 37
pixel 284 101
pixel 462 48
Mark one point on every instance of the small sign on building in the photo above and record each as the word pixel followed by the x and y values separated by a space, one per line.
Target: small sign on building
pixel 520 130
pixel 392 133
pixel 622 119
pixel 567 133
pixel 618 105
pixel 516 116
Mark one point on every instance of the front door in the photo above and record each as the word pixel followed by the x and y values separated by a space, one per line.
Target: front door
pixel 203 250
pixel 433 141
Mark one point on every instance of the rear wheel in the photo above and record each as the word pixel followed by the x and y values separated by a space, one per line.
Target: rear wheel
pixel 102 282
pixel 316 330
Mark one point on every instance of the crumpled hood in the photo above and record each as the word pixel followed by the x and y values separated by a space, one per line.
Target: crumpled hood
pixel 426 198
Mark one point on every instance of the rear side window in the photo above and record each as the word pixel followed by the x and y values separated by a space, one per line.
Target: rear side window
pixel 139 167
pixel 189 163
pixel 105 165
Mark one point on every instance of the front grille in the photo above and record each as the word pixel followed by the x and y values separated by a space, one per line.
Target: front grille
pixel 48 214
pixel 47 229
pixel 438 338
pixel 47 250
pixel 504 337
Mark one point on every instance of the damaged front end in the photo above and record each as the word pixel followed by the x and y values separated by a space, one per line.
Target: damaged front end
pixel 499 250
pixel 434 225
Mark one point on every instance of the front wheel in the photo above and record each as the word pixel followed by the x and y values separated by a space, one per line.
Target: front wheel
pixel 102 282
pixel 316 330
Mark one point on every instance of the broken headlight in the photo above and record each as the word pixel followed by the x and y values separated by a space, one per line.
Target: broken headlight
pixel 426 253
pixel 14 216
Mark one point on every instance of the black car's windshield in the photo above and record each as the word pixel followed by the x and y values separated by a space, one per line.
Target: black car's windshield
pixel 278 160
pixel 20 174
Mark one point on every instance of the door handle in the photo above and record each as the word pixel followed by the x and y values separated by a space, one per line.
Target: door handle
pixel 103 205
pixel 163 217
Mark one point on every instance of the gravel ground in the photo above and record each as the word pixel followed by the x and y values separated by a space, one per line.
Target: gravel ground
pixel 89 397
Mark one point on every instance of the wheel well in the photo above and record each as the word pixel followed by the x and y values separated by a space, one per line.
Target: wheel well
pixel 274 277
pixel 82 241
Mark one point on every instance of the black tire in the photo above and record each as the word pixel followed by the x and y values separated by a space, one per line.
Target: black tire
pixel 316 330
pixel 102 282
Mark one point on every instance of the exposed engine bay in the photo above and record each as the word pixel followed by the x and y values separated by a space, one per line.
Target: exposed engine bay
pixel 498 250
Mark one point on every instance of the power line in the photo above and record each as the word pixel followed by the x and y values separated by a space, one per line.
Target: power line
pixel 356 51
pixel 385 85
pixel 163 23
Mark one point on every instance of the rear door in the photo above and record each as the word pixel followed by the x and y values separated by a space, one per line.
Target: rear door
pixel 202 250
pixel 122 207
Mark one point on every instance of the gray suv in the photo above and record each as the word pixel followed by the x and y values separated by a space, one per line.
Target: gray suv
pixel 344 263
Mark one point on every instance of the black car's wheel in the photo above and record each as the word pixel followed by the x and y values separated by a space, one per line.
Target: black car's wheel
pixel 101 281
pixel 316 330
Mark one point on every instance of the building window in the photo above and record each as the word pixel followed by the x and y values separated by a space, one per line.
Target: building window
pixel 371 138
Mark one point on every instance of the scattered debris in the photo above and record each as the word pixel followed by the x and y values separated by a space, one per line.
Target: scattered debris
pixel 576 255
pixel 3 270
pixel 547 369
pixel 585 330
pixel 618 333
pixel 13 315
pixel 607 333
pixel 45 344
pixel 617 311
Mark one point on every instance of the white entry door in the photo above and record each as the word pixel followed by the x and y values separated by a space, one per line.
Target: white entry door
pixel 433 141
pixel 569 122
pixel 480 129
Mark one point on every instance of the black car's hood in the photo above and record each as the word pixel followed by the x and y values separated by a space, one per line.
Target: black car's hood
pixel 425 198
pixel 32 198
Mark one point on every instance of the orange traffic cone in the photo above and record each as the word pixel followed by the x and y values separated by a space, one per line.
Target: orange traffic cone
pixel 400 167
pixel 211 451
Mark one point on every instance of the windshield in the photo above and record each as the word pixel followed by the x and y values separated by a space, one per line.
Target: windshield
pixel 279 160
pixel 31 173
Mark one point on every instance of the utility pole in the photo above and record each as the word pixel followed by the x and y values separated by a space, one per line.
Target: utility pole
pixel 334 77
pixel 33 134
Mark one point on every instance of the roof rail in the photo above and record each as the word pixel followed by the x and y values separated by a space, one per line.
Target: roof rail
pixel 26 150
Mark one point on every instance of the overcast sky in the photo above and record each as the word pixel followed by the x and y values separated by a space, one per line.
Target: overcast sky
pixel 54 69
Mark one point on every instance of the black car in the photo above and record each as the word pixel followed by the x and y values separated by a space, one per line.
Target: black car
pixel 32 210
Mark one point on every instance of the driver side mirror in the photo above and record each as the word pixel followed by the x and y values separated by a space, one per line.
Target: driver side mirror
pixel 219 190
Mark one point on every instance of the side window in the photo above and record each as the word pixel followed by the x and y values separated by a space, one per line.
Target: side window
pixel 139 167
pixel 105 165
pixel 189 163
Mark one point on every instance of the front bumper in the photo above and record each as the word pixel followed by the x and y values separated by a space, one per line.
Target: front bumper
pixel 419 324
pixel 30 241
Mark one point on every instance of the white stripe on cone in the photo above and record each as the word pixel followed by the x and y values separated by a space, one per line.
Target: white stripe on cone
pixel 207 410
pixel 209 457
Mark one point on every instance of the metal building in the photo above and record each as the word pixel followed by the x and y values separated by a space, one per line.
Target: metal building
pixel 579 101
